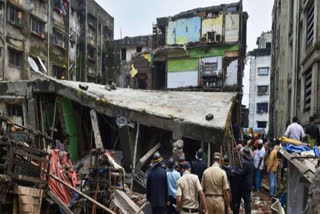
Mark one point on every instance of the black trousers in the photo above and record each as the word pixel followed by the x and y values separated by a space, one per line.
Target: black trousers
pixel 158 210
pixel 171 209
pixel 246 195
pixel 236 201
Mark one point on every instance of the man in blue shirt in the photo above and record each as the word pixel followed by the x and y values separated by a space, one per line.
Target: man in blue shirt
pixel 172 177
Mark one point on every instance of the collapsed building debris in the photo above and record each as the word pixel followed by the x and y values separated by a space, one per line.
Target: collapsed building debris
pixel 111 135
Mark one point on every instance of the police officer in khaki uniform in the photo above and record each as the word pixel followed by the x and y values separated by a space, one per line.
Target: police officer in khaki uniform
pixel 188 190
pixel 216 187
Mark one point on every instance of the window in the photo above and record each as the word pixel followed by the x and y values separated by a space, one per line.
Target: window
pixel 310 25
pixel 139 49
pixel 1 10
pixel 58 39
pixel 261 124
pixel 307 90
pixel 263 71
pixel 262 108
pixel 123 54
pixel 263 90
pixel 91 52
pixel 37 26
pixel 14 110
pixel 268 45
pixel 15 15
pixel 15 57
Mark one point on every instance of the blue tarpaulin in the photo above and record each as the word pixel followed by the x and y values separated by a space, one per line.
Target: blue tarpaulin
pixel 296 149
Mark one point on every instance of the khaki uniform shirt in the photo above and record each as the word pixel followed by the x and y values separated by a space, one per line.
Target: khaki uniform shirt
pixel 188 188
pixel 214 181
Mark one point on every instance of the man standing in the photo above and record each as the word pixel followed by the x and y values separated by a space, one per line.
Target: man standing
pixel 198 166
pixel 189 188
pixel 313 131
pixel 172 176
pixel 272 170
pixel 258 164
pixel 157 186
pixel 247 173
pixel 216 187
pixel 295 131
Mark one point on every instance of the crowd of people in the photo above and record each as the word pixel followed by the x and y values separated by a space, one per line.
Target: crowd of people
pixel 190 187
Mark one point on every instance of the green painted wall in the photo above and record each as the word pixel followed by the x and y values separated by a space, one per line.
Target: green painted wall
pixel 71 128
pixel 190 62
pixel 187 64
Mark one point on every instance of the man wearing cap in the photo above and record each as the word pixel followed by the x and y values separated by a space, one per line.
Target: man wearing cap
pixel 181 161
pixel 246 180
pixel 189 188
pixel 198 165
pixel 259 164
pixel 157 186
pixel 216 187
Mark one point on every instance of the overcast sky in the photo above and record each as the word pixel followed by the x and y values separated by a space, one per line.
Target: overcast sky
pixel 135 17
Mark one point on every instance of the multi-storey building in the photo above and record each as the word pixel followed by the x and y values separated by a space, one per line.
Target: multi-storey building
pixel 259 83
pixel 201 48
pixel 295 78
pixel 125 49
pixel 65 38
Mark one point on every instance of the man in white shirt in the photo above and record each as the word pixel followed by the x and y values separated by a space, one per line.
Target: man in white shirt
pixel 259 164
pixel 295 131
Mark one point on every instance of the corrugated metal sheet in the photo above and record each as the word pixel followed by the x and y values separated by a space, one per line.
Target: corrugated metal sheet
pixel 184 31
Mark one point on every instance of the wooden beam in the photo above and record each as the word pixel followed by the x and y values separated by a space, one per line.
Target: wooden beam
pixel 58 201
pixel 54 117
pixel 209 154
pixel 96 130
pixel 135 153
pixel 147 156
pixel 82 194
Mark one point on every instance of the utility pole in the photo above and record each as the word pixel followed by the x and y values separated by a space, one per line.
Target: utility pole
pixel 68 49
pixel 48 29
pixel 3 38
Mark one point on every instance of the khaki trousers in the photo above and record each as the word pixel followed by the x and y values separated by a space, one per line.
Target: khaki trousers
pixel 215 205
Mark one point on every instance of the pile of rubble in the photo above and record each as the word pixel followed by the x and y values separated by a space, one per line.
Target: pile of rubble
pixel 34 180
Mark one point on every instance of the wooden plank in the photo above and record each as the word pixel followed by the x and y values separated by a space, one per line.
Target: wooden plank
pixel 59 202
pixel 24 178
pixel 124 203
pixel 146 157
pixel 42 123
pixel 96 130
pixel 82 194
pixel 35 157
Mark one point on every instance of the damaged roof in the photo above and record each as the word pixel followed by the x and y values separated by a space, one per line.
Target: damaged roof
pixel 232 7
pixel 183 113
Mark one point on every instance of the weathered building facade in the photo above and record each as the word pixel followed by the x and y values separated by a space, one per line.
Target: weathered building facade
pixel 65 38
pixel 259 83
pixel 200 48
pixel 124 50
pixel 295 79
